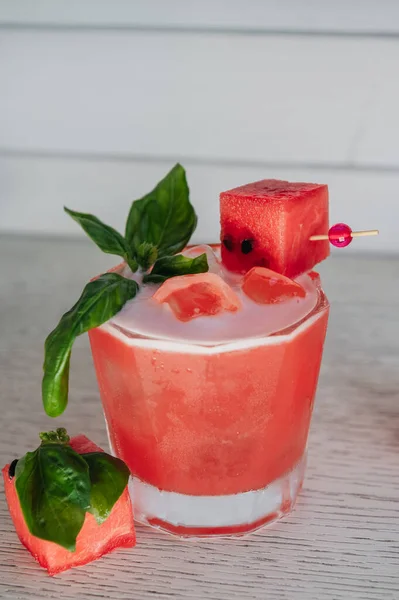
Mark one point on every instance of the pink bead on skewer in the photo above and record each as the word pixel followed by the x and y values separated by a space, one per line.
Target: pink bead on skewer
pixel 341 235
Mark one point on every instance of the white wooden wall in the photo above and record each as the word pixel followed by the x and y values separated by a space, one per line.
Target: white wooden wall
pixel 98 98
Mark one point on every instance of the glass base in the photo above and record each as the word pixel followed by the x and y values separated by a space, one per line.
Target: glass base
pixel 231 515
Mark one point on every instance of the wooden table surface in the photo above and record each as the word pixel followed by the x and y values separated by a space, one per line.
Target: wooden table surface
pixel 341 542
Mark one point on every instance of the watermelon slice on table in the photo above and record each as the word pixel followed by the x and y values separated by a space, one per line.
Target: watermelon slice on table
pixel 93 540
pixel 268 224
pixel 268 287
pixel 203 294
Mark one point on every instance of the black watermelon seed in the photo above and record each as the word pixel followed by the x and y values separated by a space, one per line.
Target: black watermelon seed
pixel 228 244
pixel 246 246
pixel 11 468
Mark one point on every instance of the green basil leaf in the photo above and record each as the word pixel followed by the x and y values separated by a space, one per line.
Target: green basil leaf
pixel 101 299
pixel 106 237
pixel 170 266
pixel 53 487
pixel 165 217
pixel 146 255
pixel 109 477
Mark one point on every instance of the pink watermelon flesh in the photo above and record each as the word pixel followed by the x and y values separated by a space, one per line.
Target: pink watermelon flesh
pixel 268 287
pixel 268 224
pixel 93 541
pixel 191 296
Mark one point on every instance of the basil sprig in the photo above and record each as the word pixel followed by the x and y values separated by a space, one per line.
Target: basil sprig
pixel 107 238
pixel 56 487
pixel 108 478
pixel 164 217
pixel 101 299
pixel 146 255
pixel 171 266
pixel 158 226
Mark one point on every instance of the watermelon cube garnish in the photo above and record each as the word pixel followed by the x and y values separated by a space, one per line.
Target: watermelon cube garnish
pixel 268 224
pixel 268 287
pixel 203 294
pixel 94 539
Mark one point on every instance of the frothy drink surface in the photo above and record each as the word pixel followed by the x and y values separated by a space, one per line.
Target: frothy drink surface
pixel 146 317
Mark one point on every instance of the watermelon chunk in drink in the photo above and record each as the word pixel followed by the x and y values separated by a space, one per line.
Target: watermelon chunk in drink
pixel 93 540
pixel 268 224
pixel 268 287
pixel 191 296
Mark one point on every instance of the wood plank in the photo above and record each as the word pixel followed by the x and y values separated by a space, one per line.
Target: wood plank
pixel 340 16
pixel 34 190
pixel 243 98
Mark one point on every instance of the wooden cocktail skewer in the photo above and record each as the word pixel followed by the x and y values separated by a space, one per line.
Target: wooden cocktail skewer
pixel 341 235
pixel 363 233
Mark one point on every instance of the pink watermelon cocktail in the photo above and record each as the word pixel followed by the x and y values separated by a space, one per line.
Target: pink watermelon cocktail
pixel 215 432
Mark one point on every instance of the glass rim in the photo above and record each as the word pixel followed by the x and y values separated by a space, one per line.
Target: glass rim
pixel 185 346
pixel 180 345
